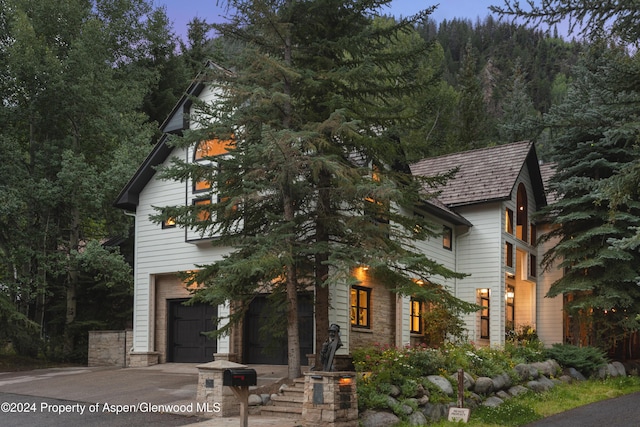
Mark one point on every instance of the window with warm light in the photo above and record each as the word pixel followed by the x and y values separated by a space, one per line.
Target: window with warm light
pixel 522 215
pixel 415 316
pixel 203 214
pixel 447 237
pixel 169 223
pixel 201 185
pixel 508 221
pixel 212 147
pixel 360 306
pixel 510 308
pixel 483 296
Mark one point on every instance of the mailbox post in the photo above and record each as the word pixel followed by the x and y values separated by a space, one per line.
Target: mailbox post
pixel 239 380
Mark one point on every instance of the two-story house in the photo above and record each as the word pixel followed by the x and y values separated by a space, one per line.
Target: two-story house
pixel 485 213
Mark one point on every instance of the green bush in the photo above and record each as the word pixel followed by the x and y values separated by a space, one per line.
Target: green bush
pixel 586 360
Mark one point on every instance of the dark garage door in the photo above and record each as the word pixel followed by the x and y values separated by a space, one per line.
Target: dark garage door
pixel 185 341
pixel 270 347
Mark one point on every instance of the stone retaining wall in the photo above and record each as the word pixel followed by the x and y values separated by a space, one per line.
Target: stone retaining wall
pixel 110 348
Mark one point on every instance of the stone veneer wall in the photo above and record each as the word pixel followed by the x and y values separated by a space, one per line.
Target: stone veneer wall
pixel 110 348
pixel 168 287
pixel 383 318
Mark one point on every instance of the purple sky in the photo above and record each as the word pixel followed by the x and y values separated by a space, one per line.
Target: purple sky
pixel 181 11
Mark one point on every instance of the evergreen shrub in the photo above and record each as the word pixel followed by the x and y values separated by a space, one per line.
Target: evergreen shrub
pixel 586 360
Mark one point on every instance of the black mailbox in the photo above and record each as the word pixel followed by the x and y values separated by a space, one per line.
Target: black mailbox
pixel 239 377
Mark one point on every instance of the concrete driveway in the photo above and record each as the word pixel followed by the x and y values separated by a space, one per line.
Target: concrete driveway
pixel 169 385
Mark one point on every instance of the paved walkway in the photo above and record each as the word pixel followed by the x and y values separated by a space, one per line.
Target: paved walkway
pixel 623 411
pixel 164 384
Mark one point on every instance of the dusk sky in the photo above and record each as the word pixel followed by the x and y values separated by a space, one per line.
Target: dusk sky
pixel 181 11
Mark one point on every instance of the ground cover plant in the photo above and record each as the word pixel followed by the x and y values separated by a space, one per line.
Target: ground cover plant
pixel 530 407
pixel 402 372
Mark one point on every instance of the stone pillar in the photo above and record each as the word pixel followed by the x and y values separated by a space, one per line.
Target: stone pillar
pixel 213 398
pixel 231 357
pixel 330 399
pixel 143 359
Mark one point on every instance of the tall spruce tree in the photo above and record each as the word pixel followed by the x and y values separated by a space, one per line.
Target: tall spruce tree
pixel 317 177
pixel 472 115
pixel 606 22
pixel 595 137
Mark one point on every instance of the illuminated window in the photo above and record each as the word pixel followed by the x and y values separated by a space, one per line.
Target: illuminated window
pixel 169 223
pixel 510 298
pixel 447 236
pixel 522 216
pixel 415 316
pixel 508 221
pixel 212 147
pixel 360 303
pixel 203 214
pixel 483 295
pixel 201 185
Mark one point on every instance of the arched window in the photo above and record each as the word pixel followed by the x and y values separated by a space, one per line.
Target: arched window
pixel 522 216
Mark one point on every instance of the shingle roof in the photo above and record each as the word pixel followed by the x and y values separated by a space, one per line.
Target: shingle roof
pixel 484 175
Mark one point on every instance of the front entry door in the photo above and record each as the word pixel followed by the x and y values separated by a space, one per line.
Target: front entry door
pixel 185 341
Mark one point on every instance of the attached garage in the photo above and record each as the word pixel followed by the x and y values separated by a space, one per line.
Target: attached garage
pixel 178 327
pixel 186 341
pixel 268 345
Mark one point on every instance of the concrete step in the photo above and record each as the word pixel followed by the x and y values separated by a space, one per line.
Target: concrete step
pixel 288 402
pixel 282 411
pixel 282 400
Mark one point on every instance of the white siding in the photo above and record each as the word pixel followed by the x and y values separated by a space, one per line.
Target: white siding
pixel 161 251
pixel 479 253
pixel 549 311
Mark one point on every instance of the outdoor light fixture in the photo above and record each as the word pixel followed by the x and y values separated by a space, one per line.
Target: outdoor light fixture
pixel 345 380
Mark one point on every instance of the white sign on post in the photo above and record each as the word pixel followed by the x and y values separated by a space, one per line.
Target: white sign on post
pixel 459 414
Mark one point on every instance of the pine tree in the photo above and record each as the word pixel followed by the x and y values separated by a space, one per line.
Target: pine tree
pixel 518 114
pixel 317 175
pixel 472 114
pixel 595 134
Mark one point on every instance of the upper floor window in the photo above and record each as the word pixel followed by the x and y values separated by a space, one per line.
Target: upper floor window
pixel 447 237
pixel 522 215
pixel 508 221
pixel 201 185
pixel 534 233
pixel 508 254
pixel 360 306
pixel 203 213
pixel 212 147
pixel 169 223
pixel 533 265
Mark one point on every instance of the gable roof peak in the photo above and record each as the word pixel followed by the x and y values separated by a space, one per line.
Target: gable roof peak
pixel 484 174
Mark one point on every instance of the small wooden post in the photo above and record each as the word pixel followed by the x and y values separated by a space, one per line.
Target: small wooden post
pixel 460 388
pixel 460 413
pixel 242 393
